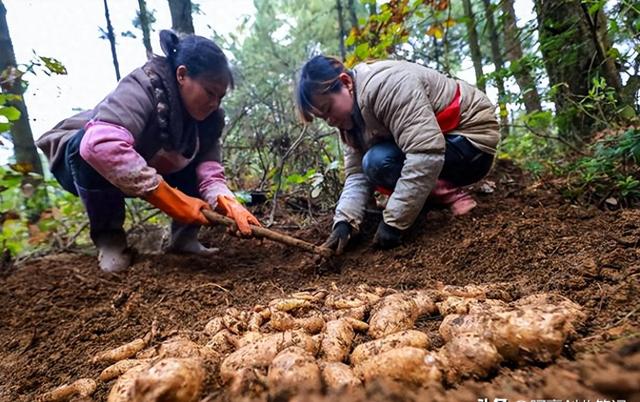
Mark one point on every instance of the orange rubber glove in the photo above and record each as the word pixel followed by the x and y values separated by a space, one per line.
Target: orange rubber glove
pixel 231 208
pixel 178 205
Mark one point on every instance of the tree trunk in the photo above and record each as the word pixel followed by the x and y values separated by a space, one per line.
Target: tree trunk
pixel 24 148
pixel 598 27
pixel 474 46
pixel 575 48
pixel 436 51
pixel 353 15
pixel 145 25
pixel 521 70
pixel 445 44
pixel 181 20
pixel 112 40
pixel 496 55
pixel 341 30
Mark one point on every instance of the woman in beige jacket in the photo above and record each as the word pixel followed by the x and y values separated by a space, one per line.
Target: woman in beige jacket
pixel 410 131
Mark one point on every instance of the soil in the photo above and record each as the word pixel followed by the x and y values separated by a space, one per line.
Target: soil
pixel 58 311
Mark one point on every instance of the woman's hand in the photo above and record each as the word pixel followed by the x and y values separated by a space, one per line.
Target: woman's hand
pixel 233 209
pixel 387 236
pixel 339 237
pixel 178 205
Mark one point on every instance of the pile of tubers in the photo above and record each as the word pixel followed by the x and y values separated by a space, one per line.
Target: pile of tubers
pixel 336 341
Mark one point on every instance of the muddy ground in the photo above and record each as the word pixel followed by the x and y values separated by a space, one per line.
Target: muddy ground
pixel 58 311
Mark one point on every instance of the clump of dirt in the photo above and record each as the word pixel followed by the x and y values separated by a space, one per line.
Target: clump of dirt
pixel 58 311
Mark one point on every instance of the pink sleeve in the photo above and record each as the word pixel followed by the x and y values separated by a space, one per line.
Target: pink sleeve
pixel 211 182
pixel 108 148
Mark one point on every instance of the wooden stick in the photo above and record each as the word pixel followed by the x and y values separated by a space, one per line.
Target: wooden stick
pixel 261 232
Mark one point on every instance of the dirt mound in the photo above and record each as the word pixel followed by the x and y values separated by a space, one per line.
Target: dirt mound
pixel 58 311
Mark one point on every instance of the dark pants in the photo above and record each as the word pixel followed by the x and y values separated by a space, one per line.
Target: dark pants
pixel 103 201
pixel 464 164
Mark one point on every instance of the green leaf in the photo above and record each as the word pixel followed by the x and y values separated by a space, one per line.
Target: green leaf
pixel 295 178
pixel 10 112
pixel 385 16
pixel 627 112
pixel 596 6
pixel 11 181
pixel 4 98
pixel 53 65
pixel 310 173
pixel 362 51
pixel 351 39
pixel 539 120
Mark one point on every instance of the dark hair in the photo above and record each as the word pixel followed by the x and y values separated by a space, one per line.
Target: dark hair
pixel 318 76
pixel 200 55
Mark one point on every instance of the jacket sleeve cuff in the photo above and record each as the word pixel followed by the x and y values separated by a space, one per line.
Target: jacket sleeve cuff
pixel 418 177
pixel 353 200
pixel 212 182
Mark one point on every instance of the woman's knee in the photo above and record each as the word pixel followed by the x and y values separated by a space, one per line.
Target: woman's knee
pixel 464 163
pixel 382 164
pixel 71 169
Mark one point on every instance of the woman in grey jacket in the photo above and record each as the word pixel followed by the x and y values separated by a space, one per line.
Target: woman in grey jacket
pixel 411 132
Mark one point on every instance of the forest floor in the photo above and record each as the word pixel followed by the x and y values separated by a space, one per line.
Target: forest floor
pixel 58 311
